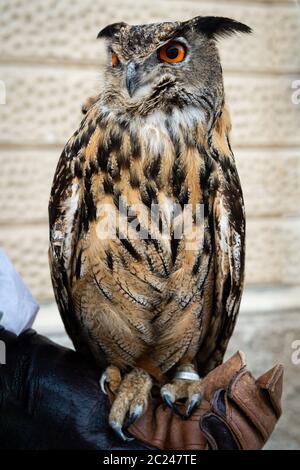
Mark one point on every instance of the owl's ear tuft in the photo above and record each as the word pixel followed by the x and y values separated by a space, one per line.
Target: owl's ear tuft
pixel 215 27
pixel 110 30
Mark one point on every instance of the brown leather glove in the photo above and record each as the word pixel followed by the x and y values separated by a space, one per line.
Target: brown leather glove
pixel 237 412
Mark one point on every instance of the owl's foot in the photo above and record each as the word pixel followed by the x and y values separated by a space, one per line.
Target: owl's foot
pixel 185 385
pixel 130 402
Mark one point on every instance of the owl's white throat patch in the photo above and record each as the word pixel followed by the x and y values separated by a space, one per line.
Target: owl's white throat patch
pixel 153 127
pixel 187 117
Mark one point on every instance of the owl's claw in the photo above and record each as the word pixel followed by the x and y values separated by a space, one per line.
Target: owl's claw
pixel 137 412
pixel 192 404
pixel 102 382
pixel 112 377
pixel 117 428
pixel 169 399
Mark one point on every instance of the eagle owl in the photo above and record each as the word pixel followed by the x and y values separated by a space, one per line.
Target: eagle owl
pixel 149 301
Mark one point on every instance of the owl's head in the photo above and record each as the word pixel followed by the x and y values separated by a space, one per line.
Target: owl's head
pixel 166 64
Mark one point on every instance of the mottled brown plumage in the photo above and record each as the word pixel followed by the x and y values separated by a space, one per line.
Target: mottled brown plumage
pixel 157 134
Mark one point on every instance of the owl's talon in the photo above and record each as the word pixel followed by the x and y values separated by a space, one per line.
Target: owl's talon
pixel 112 377
pixel 134 415
pixel 169 399
pixel 117 428
pixel 192 405
pixel 102 382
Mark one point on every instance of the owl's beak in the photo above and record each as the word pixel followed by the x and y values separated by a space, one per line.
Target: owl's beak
pixel 131 78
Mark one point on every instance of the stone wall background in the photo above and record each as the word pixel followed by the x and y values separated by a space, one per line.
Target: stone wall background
pixel 50 62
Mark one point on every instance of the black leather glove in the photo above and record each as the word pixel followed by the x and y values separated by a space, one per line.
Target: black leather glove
pixel 50 398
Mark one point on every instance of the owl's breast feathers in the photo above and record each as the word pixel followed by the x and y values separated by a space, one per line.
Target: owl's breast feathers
pixel 128 281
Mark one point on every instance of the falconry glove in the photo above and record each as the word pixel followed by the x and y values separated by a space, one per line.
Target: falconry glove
pixel 50 399
pixel 237 412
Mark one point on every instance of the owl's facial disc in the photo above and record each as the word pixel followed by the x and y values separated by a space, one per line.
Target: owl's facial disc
pixel 167 64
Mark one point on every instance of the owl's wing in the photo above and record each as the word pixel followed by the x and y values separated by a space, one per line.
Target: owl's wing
pixel 65 208
pixel 229 253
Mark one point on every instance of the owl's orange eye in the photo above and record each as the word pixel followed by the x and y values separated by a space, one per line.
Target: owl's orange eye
pixel 114 59
pixel 172 52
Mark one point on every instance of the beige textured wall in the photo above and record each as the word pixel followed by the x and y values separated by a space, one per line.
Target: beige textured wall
pixel 50 62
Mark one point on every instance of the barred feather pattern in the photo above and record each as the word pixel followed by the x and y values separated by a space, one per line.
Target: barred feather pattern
pixel 123 298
